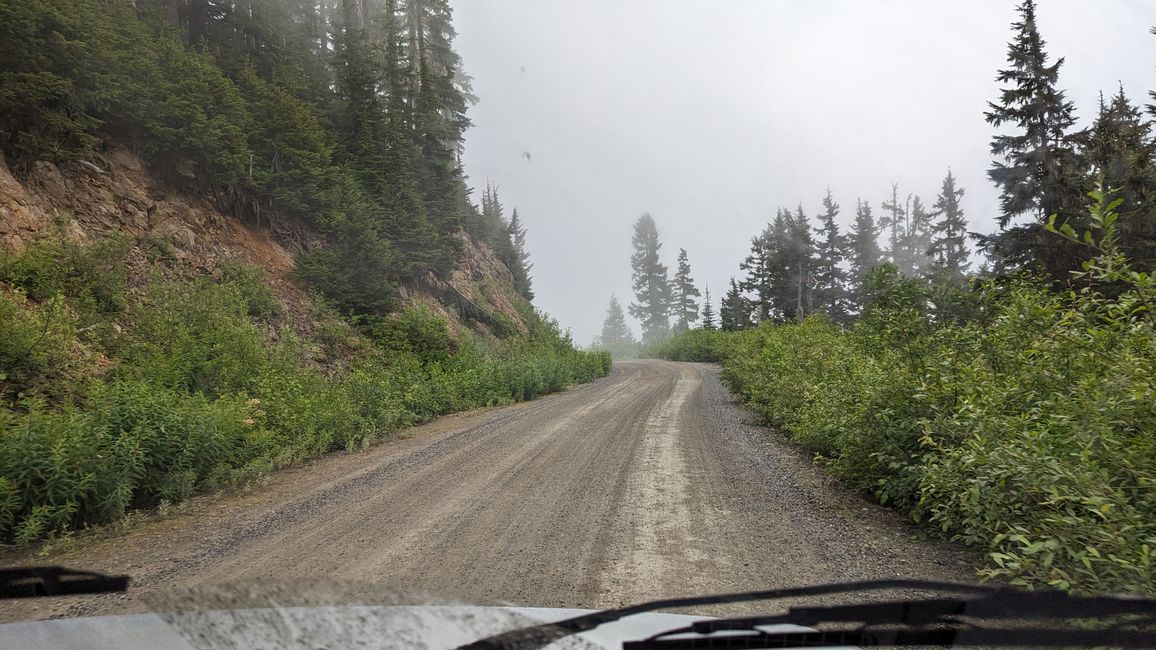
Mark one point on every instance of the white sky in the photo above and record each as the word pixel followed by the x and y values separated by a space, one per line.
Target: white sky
pixel 710 115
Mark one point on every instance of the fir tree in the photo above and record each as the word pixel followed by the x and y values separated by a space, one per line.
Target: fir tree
pixel 896 221
pixel 735 310
pixel 799 256
pixel 759 280
pixel 920 235
pixel 864 251
pixel 949 246
pixel 1122 152
pixel 831 282
pixel 683 294
pixel 615 331
pixel 708 317
pixel 521 257
pixel 1037 168
pixel 650 282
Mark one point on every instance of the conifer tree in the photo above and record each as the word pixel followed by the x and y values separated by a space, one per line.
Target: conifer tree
pixel 864 251
pixel 799 255
pixel 1037 168
pixel 1122 151
pixel 650 282
pixel 521 257
pixel 949 247
pixel 896 221
pixel 615 331
pixel 831 282
pixel 735 310
pixel 708 317
pixel 683 294
pixel 920 235
pixel 759 280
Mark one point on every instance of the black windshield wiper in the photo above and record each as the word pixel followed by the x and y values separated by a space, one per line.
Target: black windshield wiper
pixel 1035 620
pixel 35 582
pixel 923 621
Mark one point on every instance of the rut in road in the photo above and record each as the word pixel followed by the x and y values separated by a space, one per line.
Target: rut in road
pixel 649 483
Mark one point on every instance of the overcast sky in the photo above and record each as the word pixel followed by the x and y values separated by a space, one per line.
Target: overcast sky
pixel 710 115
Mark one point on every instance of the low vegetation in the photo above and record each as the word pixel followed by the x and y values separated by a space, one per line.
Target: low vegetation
pixel 1008 415
pixel 112 399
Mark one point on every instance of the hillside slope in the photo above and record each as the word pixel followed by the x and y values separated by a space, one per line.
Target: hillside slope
pixel 113 193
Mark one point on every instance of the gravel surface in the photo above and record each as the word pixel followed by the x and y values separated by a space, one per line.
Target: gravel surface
pixel 649 483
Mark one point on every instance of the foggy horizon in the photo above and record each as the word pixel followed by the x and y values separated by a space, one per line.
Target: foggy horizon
pixel 593 113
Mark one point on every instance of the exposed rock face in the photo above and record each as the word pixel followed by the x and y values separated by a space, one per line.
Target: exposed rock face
pixel 114 193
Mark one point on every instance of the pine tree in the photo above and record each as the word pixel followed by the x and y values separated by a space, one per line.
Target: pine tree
pixel 1037 169
pixel 1122 151
pixel 438 96
pixel 949 246
pixel 650 282
pixel 831 282
pixel 521 257
pixel 759 276
pixel 896 221
pixel 615 331
pixel 799 255
pixel 735 310
pixel 920 234
pixel 683 294
pixel 864 251
pixel 708 319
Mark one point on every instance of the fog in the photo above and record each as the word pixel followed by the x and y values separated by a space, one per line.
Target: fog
pixel 711 115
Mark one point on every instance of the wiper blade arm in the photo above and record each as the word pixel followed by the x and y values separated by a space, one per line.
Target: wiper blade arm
pixel 36 582
pixel 539 636
pixel 1000 604
pixel 957 636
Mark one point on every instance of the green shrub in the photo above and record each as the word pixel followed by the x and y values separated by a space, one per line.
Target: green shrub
pixel 1025 428
pixel 691 345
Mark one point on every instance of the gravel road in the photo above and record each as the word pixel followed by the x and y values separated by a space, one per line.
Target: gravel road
pixel 649 483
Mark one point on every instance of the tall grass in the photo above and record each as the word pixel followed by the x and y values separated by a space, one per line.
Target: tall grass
pixel 111 401
pixel 1021 421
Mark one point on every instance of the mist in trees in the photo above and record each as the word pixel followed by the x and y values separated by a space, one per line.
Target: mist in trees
pixel 615 331
pixel 345 117
pixel 651 284
pixel 683 293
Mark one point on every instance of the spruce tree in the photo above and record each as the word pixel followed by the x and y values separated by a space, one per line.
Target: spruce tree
pixel 683 294
pixel 650 282
pixel 708 317
pixel 521 257
pixel 615 331
pixel 896 221
pixel 1037 169
pixel 1122 152
pixel 759 279
pixel 920 235
pixel 735 310
pixel 949 245
pixel 799 254
pixel 864 251
pixel 831 290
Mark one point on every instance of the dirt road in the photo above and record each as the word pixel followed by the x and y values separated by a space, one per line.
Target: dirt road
pixel 648 483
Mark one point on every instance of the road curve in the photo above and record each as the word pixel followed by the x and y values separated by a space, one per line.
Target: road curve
pixel 645 484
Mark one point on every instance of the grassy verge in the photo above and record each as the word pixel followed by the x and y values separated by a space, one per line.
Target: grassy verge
pixel 113 399
pixel 1022 422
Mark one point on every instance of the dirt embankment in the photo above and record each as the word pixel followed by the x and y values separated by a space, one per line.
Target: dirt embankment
pixel 114 193
pixel 646 484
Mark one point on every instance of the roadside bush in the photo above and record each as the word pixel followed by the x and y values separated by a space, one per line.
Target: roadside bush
pixel 196 394
pixel 1025 428
pixel 691 345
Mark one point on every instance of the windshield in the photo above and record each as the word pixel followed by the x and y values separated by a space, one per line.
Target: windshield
pixel 310 306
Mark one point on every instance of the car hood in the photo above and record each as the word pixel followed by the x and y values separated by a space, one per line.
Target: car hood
pixel 345 626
